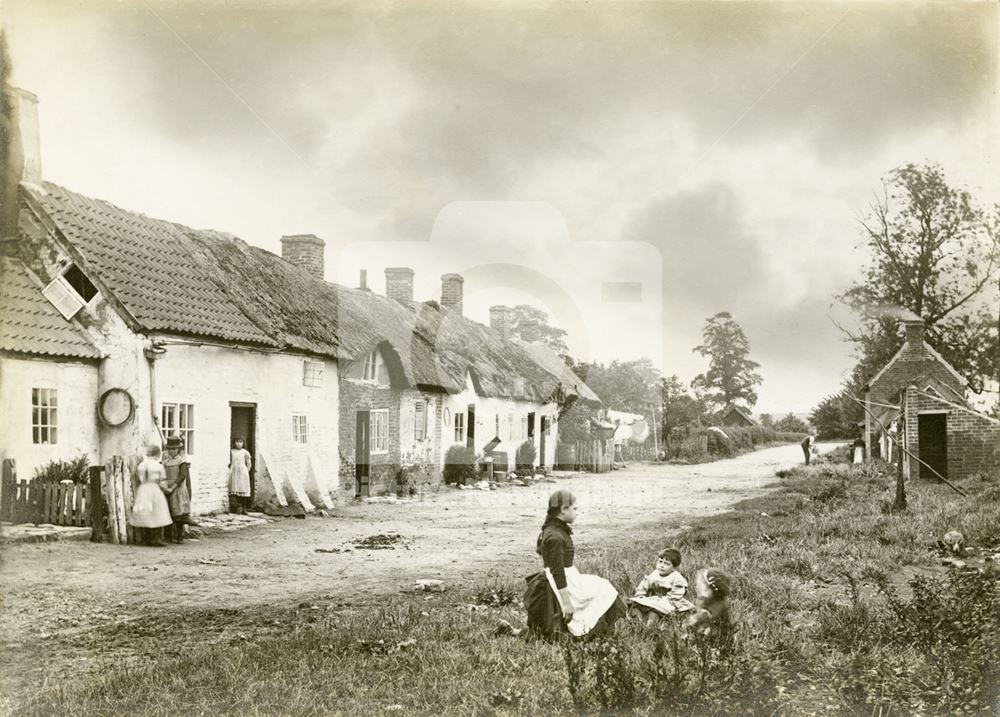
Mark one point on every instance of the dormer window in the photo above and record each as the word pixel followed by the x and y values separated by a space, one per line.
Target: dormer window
pixel 80 283
pixel 70 292
pixel 375 370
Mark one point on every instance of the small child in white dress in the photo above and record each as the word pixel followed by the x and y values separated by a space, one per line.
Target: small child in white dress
pixel 663 591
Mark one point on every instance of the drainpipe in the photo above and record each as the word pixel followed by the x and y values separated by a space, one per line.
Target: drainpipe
pixel 153 352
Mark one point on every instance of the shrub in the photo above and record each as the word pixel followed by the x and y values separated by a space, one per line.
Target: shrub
pixel 524 459
pixel 75 470
pixel 459 466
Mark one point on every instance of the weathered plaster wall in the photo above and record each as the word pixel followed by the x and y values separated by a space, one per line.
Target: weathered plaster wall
pixel 210 378
pixel 76 419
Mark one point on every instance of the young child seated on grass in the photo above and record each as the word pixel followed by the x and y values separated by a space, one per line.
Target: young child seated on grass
pixel 663 591
pixel 712 616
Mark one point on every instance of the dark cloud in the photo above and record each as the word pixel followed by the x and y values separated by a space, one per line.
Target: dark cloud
pixel 711 260
pixel 497 91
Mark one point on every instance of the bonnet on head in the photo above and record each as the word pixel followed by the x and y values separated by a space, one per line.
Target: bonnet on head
pixel 560 499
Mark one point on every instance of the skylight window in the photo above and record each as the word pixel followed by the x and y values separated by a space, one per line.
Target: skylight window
pixel 80 283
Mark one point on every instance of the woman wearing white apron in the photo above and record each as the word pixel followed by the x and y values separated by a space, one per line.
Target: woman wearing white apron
pixel 586 601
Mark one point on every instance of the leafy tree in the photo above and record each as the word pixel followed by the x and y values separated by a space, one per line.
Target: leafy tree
pixel 632 386
pixel 678 406
pixel 836 416
pixel 791 424
pixel 934 251
pixel 731 377
pixel 552 336
pixel 767 420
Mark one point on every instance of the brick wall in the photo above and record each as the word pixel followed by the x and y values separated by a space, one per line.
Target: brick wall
pixel 451 291
pixel 358 395
pixel 304 251
pixel 399 283
pixel 973 440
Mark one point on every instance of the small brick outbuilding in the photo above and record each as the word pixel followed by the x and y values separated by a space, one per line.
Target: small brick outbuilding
pixel 920 396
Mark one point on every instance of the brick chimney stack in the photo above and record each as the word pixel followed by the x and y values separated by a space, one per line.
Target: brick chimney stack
pixel 304 251
pixel 399 283
pixel 363 283
pixel 500 320
pixel 914 331
pixel 529 331
pixel 451 292
pixel 23 161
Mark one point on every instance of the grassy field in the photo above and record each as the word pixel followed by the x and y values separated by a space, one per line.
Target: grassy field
pixel 829 623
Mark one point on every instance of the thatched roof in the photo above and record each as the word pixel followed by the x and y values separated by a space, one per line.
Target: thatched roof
pixel 173 278
pixel 573 386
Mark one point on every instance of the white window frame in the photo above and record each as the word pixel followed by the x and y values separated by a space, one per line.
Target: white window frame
pixel 524 428
pixel 459 427
pixel 378 420
pixel 64 297
pixel 44 416
pixel 178 419
pixel 300 428
pixel 370 371
pixel 420 409
pixel 312 373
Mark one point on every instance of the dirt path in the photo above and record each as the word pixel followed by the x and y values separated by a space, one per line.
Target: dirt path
pixel 51 589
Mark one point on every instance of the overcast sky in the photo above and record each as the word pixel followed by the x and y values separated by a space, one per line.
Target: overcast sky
pixel 706 157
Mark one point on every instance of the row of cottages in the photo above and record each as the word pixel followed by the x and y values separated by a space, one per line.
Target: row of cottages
pixel 920 399
pixel 166 330
pixel 117 329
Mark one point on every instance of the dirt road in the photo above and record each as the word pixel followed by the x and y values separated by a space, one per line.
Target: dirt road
pixel 451 535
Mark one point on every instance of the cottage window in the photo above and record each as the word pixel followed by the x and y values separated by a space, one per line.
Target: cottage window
pixel 420 420
pixel 312 373
pixel 178 419
pixel 80 283
pixel 375 369
pixel 379 421
pixel 300 428
pixel 524 428
pixel 510 426
pixel 459 427
pixel 496 431
pixel 371 364
pixel 62 296
pixel 44 410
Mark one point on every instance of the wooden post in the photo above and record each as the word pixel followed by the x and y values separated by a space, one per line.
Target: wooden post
pixel 900 502
pixel 8 489
pixel 96 505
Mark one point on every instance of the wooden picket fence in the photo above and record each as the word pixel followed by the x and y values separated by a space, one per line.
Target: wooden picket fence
pixel 104 503
pixel 30 501
pixel 595 456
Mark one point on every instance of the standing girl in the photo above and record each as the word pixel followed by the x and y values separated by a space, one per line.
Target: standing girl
pixel 239 477
pixel 586 601
pixel 177 487
pixel 150 512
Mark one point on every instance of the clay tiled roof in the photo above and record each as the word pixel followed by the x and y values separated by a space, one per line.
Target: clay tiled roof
pixel 30 324
pixel 150 266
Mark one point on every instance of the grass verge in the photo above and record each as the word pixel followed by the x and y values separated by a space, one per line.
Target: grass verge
pixel 828 624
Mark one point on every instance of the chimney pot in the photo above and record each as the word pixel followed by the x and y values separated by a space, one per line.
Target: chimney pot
pixel 451 292
pixel 399 283
pixel 304 251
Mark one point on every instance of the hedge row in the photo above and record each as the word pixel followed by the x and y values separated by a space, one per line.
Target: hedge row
pixel 698 444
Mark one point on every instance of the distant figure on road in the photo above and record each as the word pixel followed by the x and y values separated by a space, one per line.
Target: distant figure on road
pixel 808 447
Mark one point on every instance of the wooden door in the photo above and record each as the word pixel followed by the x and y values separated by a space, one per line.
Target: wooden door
pixel 243 424
pixel 932 444
pixel 544 428
pixel 362 454
pixel 470 428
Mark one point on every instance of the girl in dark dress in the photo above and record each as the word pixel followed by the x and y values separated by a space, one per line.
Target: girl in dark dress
pixel 588 603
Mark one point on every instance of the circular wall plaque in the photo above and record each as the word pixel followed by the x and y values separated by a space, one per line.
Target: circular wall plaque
pixel 115 406
pixel 446 416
